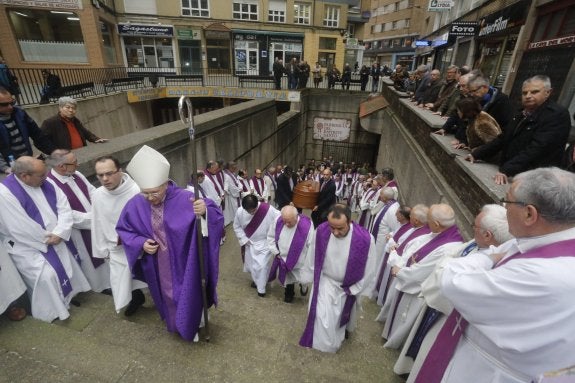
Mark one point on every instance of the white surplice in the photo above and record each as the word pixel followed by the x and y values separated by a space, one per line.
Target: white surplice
pixel 521 315
pixel 408 281
pixel 11 284
pixel 299 272
pixel 46 296
pixel 99 278
pixel 257 253
pixel 106 208
pixel 327 333
pixel 233 196
pixel 388 224
pixel 264 191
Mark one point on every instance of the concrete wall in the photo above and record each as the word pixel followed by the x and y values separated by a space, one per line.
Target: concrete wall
pixel 106 116
pixel 249 133
pixel 327 103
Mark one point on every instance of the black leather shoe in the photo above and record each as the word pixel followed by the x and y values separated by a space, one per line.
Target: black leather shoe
pixel 138 299
pixel 106 292
pixel 261 295
pixel 253 285
pixel 75 302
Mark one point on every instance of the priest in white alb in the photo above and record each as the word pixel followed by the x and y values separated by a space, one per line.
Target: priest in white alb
pixel 37 217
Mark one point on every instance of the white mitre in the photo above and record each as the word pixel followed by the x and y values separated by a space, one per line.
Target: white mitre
pixel 149 168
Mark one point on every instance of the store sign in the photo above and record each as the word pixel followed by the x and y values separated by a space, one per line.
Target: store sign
pixel 552 42
pixel 352 43
pixel 504 19
pixel 145 30
pixel 217 35
pixel 463 29
pixel 331 129
pixel 189 34
pixel 440 5
pixel 54 4
pixel 423 43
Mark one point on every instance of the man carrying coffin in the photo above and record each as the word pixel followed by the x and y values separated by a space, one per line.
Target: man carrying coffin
pixel 37 218
pixel 343 258
pixel 289 240
pixel 251 225
pixel 158 230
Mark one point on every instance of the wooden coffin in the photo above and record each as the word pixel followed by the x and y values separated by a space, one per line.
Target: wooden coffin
pixel 305 194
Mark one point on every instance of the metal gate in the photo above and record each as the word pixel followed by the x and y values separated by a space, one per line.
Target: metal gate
pixel 350 152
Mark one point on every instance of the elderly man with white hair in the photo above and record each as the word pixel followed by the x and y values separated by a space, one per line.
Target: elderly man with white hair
pixel 421 259
pixel 490 228
pixel 159 231
pixel 289 240
pixel 513 306
pixel 65 130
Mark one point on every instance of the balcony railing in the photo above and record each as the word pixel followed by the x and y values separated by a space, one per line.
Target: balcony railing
pixel 80 83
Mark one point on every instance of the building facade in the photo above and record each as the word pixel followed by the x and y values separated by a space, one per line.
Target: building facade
pixel 241 37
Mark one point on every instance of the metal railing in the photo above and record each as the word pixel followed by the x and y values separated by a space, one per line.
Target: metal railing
pixel 80 83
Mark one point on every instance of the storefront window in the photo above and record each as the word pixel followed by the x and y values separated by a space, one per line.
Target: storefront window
pixel 326 59
pixel 327 43
pixel 53 36
pixel 218 50
pixel 149 52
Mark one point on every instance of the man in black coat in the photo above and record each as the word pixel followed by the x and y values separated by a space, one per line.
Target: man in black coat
pixel 535 138
pixel 284 189
pixel 326 198
pixel 492 100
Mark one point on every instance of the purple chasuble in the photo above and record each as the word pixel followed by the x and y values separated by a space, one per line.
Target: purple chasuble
pixel 443 348
pixel 447 236
pixel 355 269
pixel 75 204
pixel 32 210
pixel 295 249
pixel 379 218
pixel 135 227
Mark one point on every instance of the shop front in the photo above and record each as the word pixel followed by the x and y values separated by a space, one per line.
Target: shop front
pixel 148 46
pixel 190 50
pixel 497 39
pixel 255 51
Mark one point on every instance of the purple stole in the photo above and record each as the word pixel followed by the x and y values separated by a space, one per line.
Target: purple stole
pixel 273 178
pixel 75 204
pixel 295 249
pixel 416 233
pixel 355 269
pixel 364 212
pixel 217 185
pixel 235 181
pixel 379 218
pixel 245 185
pixel 32 210
pixel 447 236
pixel 257 219
pixel 442 350
pixel 391 184
pixel 403 228
pixel 258 185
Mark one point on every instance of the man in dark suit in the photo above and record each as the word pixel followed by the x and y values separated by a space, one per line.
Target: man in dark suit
pixel 534 138
pixel 326 198
pixel 284 190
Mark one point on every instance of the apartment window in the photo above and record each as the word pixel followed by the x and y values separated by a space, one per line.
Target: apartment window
pixel 196 8
pixel 245 10
pixel 277 11
pixel 407 23
pixel 393 25
pixel 302 13
pixel 48 36
pixel 351 30
pixel 327 43
pixel 331 18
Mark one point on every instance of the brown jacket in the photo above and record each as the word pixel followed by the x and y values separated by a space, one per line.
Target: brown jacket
pixel 482 130
pixel 57 131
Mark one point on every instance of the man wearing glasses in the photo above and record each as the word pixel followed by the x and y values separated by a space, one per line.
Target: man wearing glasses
pixel 159 231
pixel 107 204
pixel 16 129
pixel 514 305
pixel 36 217
pixel 492 100
pixel 78 190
